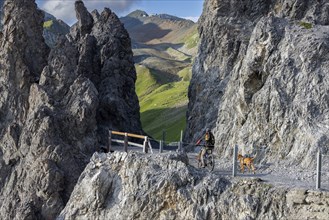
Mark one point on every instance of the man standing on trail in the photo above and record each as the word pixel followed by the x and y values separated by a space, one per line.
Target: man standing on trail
pixel 209 144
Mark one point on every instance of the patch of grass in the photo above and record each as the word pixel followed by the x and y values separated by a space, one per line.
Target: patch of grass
pixel 166 96
pixel 146 82
pixel 47 24
pixel 186 74
pixel 177 55
pixel 192 39
pixel 305 25
pixel 172 120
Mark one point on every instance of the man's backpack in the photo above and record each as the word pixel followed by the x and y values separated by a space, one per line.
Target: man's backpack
pixel 212 139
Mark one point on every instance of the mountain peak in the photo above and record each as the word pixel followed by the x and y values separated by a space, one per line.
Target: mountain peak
pixel 138 14
pixel 169 17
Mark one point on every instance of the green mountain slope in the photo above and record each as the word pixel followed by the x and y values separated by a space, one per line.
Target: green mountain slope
pixel 164 47
pixel 163 106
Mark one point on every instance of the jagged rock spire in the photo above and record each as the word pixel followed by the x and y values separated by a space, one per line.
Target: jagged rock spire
pixel 22 33
pixel 106 59
pixel 23 56
pixel 85 20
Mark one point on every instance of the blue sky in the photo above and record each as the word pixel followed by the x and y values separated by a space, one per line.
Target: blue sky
pixel 64 9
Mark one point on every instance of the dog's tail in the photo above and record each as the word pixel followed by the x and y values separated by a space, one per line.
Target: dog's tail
pixel 254 157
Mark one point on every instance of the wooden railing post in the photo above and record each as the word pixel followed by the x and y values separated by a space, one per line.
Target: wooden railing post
pixel 126 142
pixel 109 146
pixel 235 155
pixel 164 137
pixel 318 172
pixel 145 146
pixel 180 143
pixel 161 147
pixel 149 146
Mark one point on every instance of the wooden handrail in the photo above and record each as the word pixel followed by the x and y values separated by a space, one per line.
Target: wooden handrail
pixel 146 145
pixel 118 133
pixel 128 134
pixel 136 136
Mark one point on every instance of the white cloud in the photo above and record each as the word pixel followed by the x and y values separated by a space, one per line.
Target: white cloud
pixel 195 19
pixel 60 9
pixel 64 9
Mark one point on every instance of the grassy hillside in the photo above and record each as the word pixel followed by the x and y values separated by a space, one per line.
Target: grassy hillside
pixel 191 40
pixel 146 82
pixel 163 106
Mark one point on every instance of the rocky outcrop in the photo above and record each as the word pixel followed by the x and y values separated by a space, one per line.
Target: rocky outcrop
pixel 135 186
pixel 54 108
pixel 19 70
pixel 260 78
pixel 22 38
pixel 106 58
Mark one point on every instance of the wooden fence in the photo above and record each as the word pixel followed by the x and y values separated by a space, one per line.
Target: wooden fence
pixel 146 144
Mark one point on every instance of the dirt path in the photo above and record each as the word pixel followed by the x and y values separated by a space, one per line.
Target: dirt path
pixel 278 176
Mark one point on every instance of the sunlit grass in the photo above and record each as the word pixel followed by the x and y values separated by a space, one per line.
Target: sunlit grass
pixel 192 39
pixel 47 24
pixel 162 107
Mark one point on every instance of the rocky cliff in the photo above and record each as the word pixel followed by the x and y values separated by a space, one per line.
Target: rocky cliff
pixel 134 186
pixel 56 107
pixel 1 13
pixel 260 78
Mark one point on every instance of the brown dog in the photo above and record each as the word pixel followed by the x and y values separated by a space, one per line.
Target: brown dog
pixel 246 161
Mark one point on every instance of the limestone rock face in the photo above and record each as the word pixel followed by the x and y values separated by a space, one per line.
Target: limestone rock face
pixel 55 105
pixel 135 186
pixel 260 78
pixel 1 13
pixel 19 69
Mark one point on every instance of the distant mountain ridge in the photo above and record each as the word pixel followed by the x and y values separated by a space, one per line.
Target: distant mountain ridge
pixel 143 14
pixel 156 28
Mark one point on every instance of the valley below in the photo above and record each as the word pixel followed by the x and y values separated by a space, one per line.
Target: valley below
pixel 164 48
